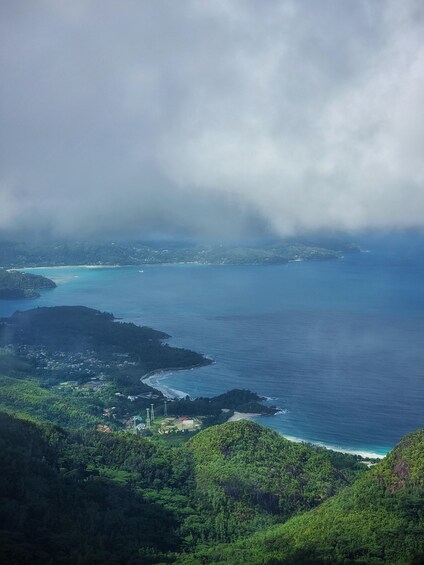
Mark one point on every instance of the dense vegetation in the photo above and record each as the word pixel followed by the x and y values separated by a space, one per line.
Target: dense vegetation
pixel 18 254
pixel 77 328
pixel 235 493
pixel 252 478
pixel 89 497
pixel 16 285
pixel 379 519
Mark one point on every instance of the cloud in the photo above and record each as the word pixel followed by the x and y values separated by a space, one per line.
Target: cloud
pixel 221 118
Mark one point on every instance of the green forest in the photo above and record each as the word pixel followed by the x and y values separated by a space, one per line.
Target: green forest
pixel 235 493
pixel 15 285
pixel 76 329
pixel 231 493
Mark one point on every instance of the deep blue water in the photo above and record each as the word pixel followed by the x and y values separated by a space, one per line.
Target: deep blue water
pixel 337 345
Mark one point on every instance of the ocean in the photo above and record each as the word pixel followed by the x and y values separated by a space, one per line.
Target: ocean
pixel 337 346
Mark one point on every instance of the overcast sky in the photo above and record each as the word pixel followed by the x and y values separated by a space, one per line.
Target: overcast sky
pixel 210 118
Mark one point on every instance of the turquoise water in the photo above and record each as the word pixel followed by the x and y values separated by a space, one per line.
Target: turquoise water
pixel 338 346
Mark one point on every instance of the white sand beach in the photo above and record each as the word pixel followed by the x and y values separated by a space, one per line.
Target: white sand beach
pixel 237 416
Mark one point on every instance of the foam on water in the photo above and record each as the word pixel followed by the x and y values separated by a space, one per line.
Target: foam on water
pixel 361 452
pixel 156 381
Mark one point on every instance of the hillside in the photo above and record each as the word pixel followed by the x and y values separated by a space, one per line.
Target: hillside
pixel 253 477
pixel 379 519
pixel 89 497
pixel 236 493
pixel 15 285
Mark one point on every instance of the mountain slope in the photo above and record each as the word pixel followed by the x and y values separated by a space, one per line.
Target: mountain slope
pixel 86 498
pixel 91 497
pixel 379 519
pixel 252 477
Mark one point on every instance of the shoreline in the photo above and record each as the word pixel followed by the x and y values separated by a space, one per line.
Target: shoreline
pixel 366 454
pixel 154 378
pixel 170 264
pixel 70 267
pixel 237 416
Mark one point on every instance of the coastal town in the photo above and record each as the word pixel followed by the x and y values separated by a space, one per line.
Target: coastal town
pixel 87 369
pixel 89 376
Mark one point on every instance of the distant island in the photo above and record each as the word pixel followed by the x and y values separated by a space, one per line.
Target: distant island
pixel 15 285
pixel 20 255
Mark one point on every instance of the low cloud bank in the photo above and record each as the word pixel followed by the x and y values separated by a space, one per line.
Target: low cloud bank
pixel 216 119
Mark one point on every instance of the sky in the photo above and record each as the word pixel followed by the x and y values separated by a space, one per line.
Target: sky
pixel 210 118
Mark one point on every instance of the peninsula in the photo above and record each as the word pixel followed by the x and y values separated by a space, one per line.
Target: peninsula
pixel 84 368
pixel 15 285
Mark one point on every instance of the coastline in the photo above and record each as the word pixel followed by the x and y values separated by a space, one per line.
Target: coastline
pixel 237 416
pixel 366 454
pixel 70 267
pixel 158 379
pixel 154 379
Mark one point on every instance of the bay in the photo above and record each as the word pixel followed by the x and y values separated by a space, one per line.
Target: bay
pixel 337 345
